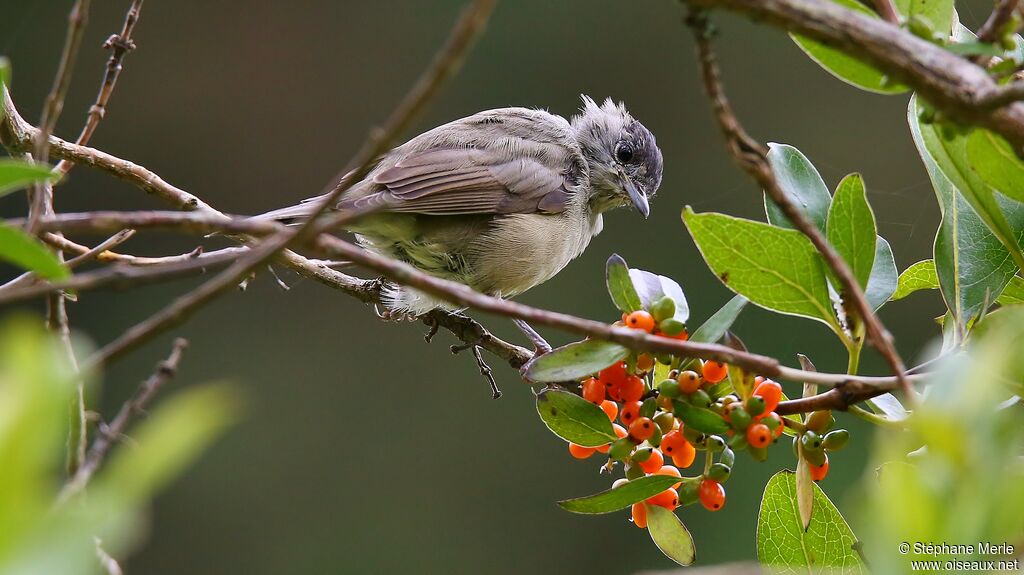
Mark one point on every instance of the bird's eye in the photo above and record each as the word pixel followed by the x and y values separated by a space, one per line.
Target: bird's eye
pixel 623 152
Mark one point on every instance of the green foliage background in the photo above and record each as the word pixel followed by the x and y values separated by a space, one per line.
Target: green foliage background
pixel 358 437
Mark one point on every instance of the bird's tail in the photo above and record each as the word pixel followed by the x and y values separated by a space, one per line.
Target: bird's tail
pixel 288 215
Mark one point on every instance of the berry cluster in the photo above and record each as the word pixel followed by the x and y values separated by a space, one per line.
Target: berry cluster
pixel 652 428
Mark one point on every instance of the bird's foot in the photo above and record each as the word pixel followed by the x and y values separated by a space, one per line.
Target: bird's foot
pixel 540 345
pixel 394 315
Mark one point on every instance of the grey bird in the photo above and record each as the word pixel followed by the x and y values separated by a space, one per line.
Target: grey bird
pixel 501 200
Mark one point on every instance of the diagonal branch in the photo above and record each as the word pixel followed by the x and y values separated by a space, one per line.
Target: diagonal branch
pixel 751 155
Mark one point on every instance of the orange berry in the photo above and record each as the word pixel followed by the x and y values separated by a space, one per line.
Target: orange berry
pixel 640 320
pixel 670 470
pixel 630 412
pixel 685 456
pixel 683 335
pixel 580 452
pixel 668 499
pixel 772 415
pixel 633 389
pixel 689 381
pixel 818 472
pixel 593 391
pixel 641 429
pixel 613 375
pixel 644 362
pixel 770 392
pixel 611 409
pixel 714 371
pixel 673 443
pixel 653 463
pixel 759 435
pixel 639 515
pixel 711 494
pixel 665 403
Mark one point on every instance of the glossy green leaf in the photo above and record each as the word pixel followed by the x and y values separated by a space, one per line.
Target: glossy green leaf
pixel 938 12
pixel 701 419
pixel 993 160
pixel 783 545
pixel 775 268
pixel 652 287
pixel 715 327
pixel 851 227
pixel 28 253
pixel 973 265
pixel 918 276
pixel 620 497
pixel 1013 293
pixel 845 67
pixel 574 361
pixel 620 287
pixel 884 278
pixel 574 419
pixel 17 174
pixel 670 535
pixel 800 181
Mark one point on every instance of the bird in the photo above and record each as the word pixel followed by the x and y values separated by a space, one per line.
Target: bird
pixel 501 200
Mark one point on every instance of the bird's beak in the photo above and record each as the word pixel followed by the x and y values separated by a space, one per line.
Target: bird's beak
pixel 636 195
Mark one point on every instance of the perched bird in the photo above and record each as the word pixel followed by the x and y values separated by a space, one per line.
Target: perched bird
pixel 501 200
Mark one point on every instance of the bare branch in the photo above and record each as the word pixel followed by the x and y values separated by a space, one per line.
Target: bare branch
pixel 751 156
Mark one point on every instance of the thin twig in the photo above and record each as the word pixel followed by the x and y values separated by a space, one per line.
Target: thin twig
pixel 85 255
pixel 995 25
pixel 751 155
pixel 119 45
pixel 111 433
pixel 887 10
pixel 445 64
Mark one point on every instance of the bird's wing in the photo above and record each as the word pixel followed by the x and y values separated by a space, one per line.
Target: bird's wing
pixel 472 181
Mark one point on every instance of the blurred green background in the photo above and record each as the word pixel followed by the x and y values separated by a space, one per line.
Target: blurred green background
pixel 365 450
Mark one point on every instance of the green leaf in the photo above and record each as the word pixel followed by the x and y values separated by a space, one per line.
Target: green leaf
pixel 784 546
pixel 701 419
pixel 670 535
pixel 799 180
pixel 775 268
pixel 652 287
pixel 16 174
pixel 845 67
pixel 938 12
pixel 620 497
pixel 992 158
pixel 851 227
pixel 169 439
pixel 883 280
pixel 1013 293
pixel 972 263
pixel 574 419
pixel 620 287
pixel 917 277
pixel 715 327
pixel 574 361
pixel 28 253
pixel 974 49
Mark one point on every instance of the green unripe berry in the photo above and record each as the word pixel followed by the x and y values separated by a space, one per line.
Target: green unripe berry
pixel 671 326
pixel 714 443
pixel 815 458
pixel 728 457
pixel 810 441
pixel 641 455
pixel 820 421
pixel 620 449
pixel 719 472
pixel 738 441
pixel 739 419
pixel 649 407
pixel 664 358
pixel 669 388
pixel 665 421
pixel 835 440
pixel 700 398
pixel 634 472
pixel 692 435
pixel 663 309
pixel 755 405
pixel 759 453
pixel 655 438
pixel 689 491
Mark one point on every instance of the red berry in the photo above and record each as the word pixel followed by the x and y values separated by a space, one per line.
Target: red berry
pixel 653 463
pixel 593 391
pixel 632 389
pixel 580 452
pixel 630 412
pixel 668 499
pixel 611 409
pixel 818 472
pixel 640 320
pixel 613 375
pixel 641 429
pixel 685 456
pixel 672 443
pixel 771 392
pixel 759 435
pixel 670 470
pixel 639 515
pixel 689 381
pixel 711 494
pixel 714 371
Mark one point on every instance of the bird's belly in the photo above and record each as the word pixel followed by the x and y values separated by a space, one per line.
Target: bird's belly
pixel 526 250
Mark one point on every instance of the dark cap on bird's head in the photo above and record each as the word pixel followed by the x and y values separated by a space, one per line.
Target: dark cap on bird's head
pixel 625 161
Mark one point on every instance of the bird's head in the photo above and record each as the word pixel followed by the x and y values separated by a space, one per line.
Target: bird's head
pixel 624 159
